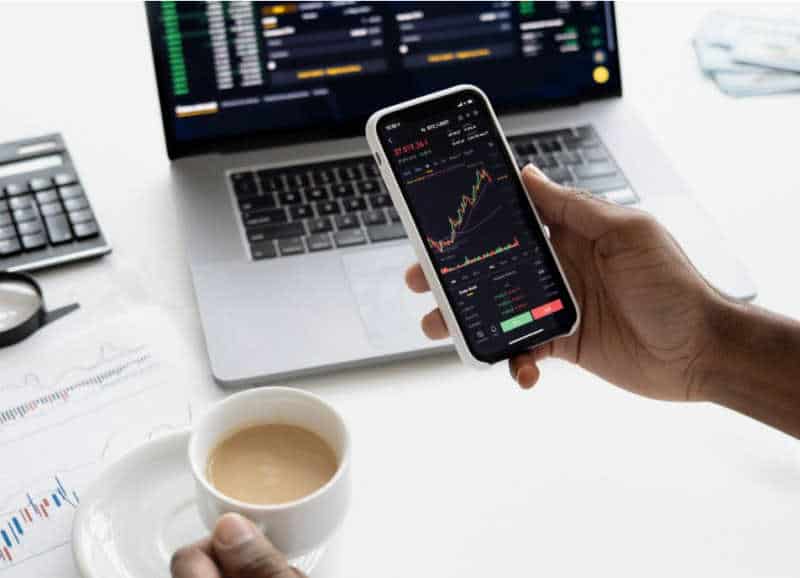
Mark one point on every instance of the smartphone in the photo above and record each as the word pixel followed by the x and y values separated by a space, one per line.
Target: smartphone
pixel 476 233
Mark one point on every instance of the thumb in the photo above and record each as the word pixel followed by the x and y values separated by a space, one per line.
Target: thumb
pixel 243 552
pixel 575 210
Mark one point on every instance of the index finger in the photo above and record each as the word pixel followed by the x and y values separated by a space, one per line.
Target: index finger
pixel 415 279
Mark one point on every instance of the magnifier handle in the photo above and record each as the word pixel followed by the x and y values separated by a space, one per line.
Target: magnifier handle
pixel 54 314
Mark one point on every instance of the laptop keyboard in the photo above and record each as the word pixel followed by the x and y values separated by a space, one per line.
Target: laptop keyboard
pixel 323 206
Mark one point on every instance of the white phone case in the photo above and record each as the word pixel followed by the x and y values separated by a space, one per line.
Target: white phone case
pixel 414 235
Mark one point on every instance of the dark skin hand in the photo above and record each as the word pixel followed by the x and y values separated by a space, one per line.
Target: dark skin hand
pixel 650 322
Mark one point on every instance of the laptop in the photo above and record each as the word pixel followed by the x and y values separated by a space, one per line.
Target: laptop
pixel 296 253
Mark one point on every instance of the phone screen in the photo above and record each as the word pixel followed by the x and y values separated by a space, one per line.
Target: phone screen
pixel 477 225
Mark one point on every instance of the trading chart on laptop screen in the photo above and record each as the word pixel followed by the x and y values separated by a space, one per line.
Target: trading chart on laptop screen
pixel 244 67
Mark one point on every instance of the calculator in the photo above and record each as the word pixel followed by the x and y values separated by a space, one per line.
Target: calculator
pixel 45 215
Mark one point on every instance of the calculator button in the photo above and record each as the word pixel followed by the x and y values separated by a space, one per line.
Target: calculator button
pixel 47 197
pixel 76 204
pixel 35 241
pixel 51 209
pixel 23 215
pixel 7 232
pixel 40 184
pixel 29 228
pixel 14 189
pixel 70 192
pixel 9 247
pixel 25 202
pixel 85 230
pixel 58 229
pixel 64 179
pixel 80 216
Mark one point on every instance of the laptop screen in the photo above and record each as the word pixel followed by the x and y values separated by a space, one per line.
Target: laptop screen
pixel 246 72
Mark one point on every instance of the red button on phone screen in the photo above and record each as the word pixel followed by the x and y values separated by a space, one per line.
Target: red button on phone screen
pixel 547 309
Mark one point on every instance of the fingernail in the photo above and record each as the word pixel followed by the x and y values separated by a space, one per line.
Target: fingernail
pixel 533 170
pixel 233 530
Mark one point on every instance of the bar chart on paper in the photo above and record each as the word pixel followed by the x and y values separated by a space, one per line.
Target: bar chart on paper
pixel 63 420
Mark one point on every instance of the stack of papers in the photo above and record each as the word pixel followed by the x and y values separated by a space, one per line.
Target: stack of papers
pixel 749 56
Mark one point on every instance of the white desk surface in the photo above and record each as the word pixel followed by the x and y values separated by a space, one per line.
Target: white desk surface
pixel 459 473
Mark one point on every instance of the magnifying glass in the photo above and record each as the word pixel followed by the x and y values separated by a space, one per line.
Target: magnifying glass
pixel 22 310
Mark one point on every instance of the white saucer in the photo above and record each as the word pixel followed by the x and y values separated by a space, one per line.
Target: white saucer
pixel 138 512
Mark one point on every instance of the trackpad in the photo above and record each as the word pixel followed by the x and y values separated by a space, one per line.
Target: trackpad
pixel 390 312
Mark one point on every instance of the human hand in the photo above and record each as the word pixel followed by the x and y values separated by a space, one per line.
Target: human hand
pixel 236 550
pixel 645 311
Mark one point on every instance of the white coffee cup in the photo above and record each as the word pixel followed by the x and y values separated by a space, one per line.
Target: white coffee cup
pixel 298 528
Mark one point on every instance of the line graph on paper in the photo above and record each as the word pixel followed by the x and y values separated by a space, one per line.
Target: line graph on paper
pixel 28 405
pixel 65 417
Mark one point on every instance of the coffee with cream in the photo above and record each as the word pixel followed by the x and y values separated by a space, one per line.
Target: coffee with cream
pixel 271 464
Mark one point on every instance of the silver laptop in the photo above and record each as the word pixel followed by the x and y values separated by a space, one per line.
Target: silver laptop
pixel 296 252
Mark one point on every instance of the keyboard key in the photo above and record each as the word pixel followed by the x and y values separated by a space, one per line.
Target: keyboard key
pixel 317 194
pixel 263 250
pixel 50 196
pixel 343 190
pixel 80 216
pixel 545 161
pixel 23 215
pixel 40 184
pixel 322 176
pixel 70 192
pixel 258 202
pixel 265 217
pixel 393 215
pixel 291 246
pixel 13 189
pixel 5 219
pixel 62 179
pixel 281 231
pixel 349 238
pixel 350 173
pixel 30 227
pixel 380 201
pixel 290 198
pixel 269 180
pixel 380 233
pixel 321 225
pixel 602 184
pixel 373 217
pixel 76 204
pixel 347 222
pixel 9 247
pixel 25 202
pixel 595 154
pixel 368 187
pixel 327 208
pixel 568 158
pixel 51 209
pixel 354 204
pixel 58 229
pixel 301 212
pixel 622 196
pixel 319 242
pixel 244 184
pixel 8 232
pixel 300 180
pixel 594 170
pixel 559 174
pixel 3 206
pixel 549 146
pixel 371 169
pixel 35 241
pixel 525 148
